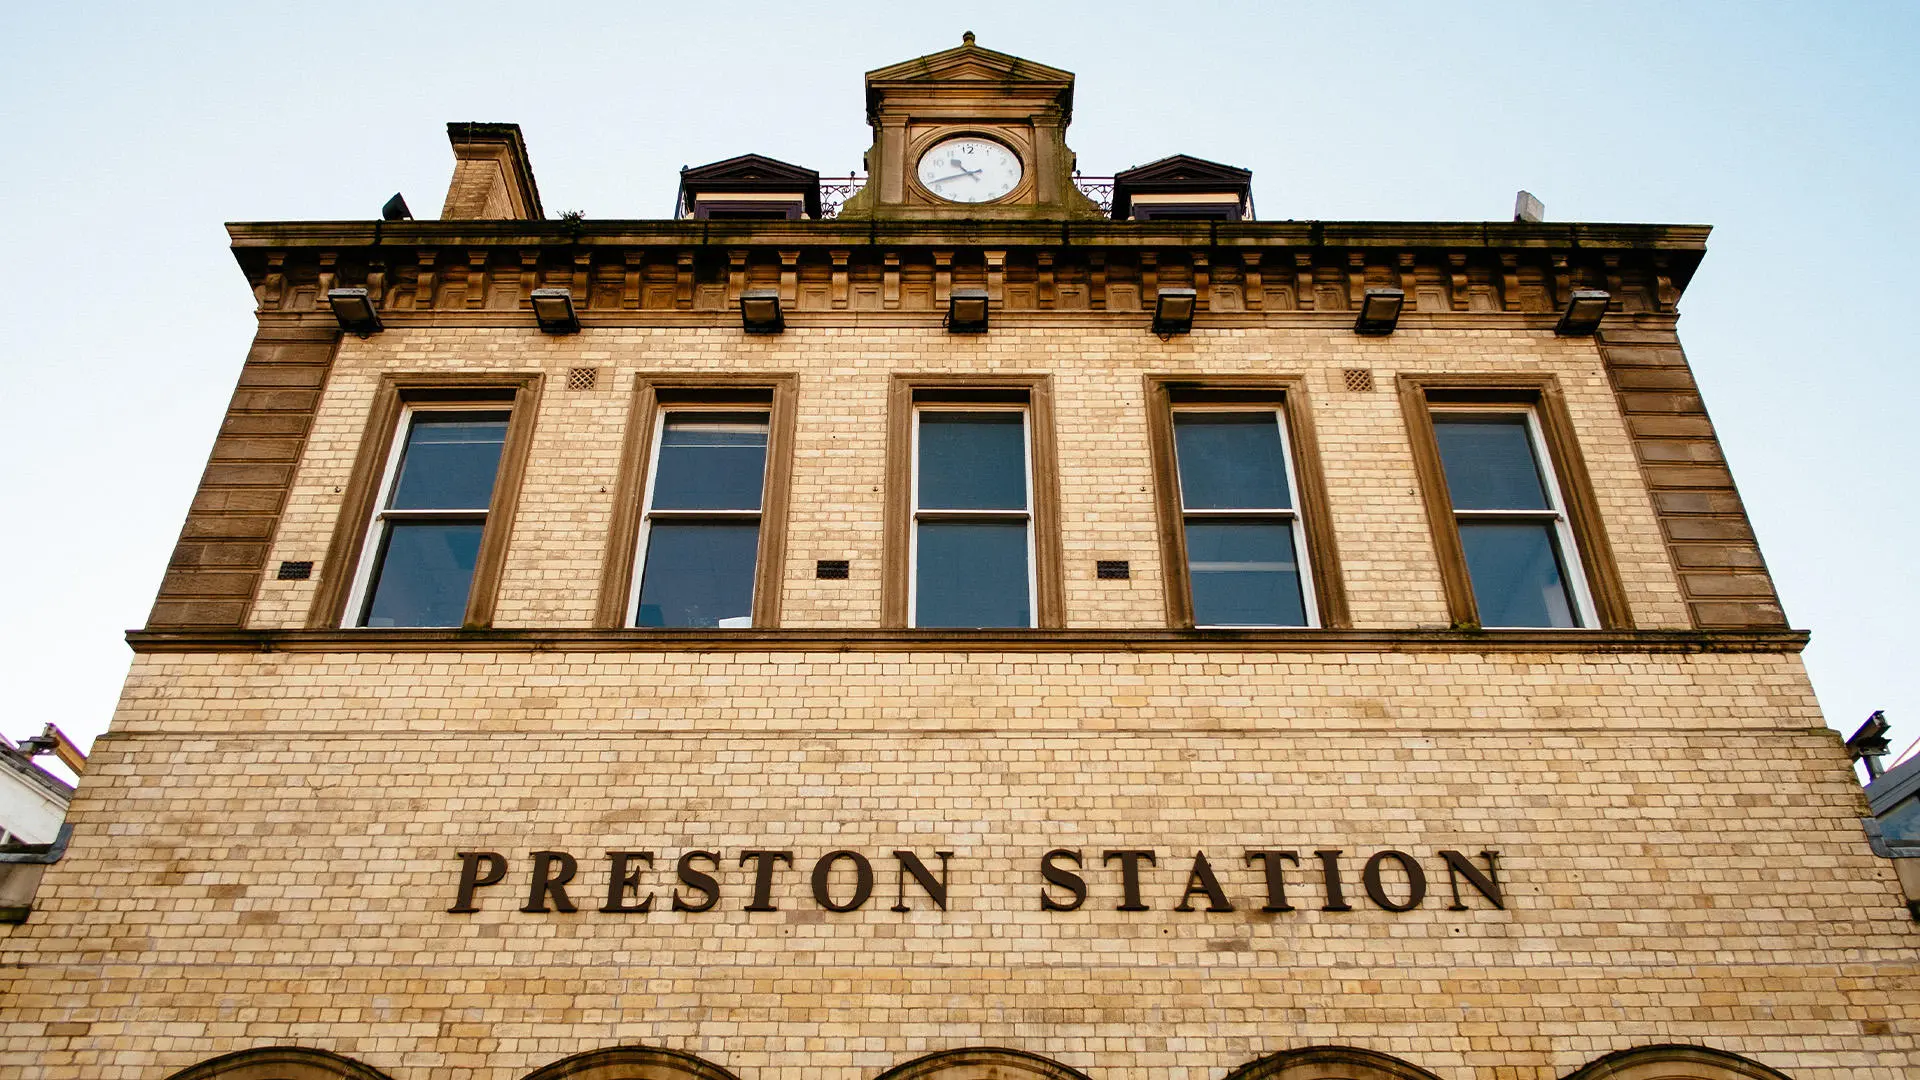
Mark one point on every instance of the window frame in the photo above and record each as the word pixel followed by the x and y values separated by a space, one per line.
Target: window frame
pixel 631 616
pixel 1586 557
pixel 1024 515
pixel 1323 592
pixel 340 598
pixel 1295 520
pixel 907 395
pixel 656 394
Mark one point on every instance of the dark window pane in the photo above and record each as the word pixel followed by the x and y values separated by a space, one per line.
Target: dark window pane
pixel 1489 463
pixel 698 573
pixel 424 573
pixel 1516 573
pixel 711 461
pixel 972 574
pixel 450 461
pixel 1231 461
pixel 973 461
pixel 1903 821
pixel 1244 573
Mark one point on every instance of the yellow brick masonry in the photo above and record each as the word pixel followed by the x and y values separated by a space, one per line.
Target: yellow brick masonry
pixel 1106 497
pixel 264 854
pixel 265 849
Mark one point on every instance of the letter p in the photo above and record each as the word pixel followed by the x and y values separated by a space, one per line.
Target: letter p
pixel 472 877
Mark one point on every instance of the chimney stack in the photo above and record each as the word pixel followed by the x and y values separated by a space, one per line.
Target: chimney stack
pixel 492 175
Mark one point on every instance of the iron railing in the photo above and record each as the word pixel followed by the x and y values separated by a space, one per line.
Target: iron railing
pixel 836 190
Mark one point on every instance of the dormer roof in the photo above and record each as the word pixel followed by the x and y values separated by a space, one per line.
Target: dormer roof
pixel 751 173
pixel 1178 174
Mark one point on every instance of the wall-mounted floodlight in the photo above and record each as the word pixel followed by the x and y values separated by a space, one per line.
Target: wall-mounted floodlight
pixel 1583 313
pixel 1379 312
pixel 553 310
pixel 354 309
pixel 760 311
pixel 396 209
pixel 967 311
pixel 1869 744
pixel 1173 311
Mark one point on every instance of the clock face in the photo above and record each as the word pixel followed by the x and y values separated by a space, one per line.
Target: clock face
pixel 969 170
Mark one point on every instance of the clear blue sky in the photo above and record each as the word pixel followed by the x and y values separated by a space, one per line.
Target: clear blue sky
pixel 134 131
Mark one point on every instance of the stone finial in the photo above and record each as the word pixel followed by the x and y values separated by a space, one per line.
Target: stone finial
pixel 966 38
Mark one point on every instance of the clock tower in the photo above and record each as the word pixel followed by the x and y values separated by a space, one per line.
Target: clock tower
pixel 970 133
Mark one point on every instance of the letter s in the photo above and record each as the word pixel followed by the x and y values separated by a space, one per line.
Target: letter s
pixel 1062 878
pixel 700 882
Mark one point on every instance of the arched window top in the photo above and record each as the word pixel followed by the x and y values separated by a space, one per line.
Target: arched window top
pixel 280 1063
pixel 1329 1063
pixel 1674 1062
pixel 982 1063
pixel 631 1063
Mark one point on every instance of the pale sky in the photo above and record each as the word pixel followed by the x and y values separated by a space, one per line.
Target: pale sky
pixel 134 131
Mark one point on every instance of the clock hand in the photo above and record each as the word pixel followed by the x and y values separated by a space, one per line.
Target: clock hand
pixel 955 176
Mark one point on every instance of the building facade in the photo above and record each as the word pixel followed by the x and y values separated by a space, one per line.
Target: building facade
pixel 980 634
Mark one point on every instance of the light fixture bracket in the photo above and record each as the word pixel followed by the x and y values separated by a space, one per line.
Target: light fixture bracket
pixel 553 311
pixel 1379 312
pixel 967 311
pixel 354 308
pixel 760 312
pixel 1585 308
pixel 1173 311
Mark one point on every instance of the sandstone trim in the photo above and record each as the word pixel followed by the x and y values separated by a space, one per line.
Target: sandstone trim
pixel 1015 641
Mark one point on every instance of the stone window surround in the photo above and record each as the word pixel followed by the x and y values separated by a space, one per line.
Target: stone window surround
pixel 1287 395
pixel 1421 394
pixel 1035 394
pixel 519 393
pixel 776 393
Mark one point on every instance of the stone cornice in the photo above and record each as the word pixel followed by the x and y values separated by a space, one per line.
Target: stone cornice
pixel 1094 268
pixel 1448 235
pixel 1568 643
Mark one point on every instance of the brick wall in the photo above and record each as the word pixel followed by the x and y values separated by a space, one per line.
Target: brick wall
pixel 265 851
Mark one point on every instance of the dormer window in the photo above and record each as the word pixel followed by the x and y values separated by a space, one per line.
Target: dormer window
pixel 749 188
pixel 1183 187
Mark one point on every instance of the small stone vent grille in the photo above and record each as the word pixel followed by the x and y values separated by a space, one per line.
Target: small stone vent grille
pixel 1112 570
pixel 295 571
pixel 831 569
pixel 582 378
pixel 1359 380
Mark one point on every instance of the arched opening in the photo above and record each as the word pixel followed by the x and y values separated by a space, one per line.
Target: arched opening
pixel 1329 1063
pixel 982 1063
pixel 1674 1062
pixel 280 1063
pixel 631 1063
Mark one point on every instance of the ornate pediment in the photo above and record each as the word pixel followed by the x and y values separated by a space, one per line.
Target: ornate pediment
pixel 969 63
pixel 1187 170
pixel 753 168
